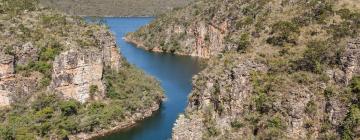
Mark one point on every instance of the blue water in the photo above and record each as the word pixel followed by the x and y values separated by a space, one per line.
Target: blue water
pixel 174 73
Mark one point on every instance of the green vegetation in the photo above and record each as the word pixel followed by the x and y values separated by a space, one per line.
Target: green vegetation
pixel 352 121
pixel 14 7
pixel 43 114
pixel 283 32
pixel 115 7
pixel 133 86
pixel 276 63
pixel 50 115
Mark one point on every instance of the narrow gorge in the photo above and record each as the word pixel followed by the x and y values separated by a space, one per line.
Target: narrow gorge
pixel 275 69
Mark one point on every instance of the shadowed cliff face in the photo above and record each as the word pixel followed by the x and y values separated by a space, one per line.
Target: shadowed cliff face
pixel 277 69
pixel 115 8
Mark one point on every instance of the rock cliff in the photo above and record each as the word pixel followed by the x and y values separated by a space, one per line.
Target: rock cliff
pixel 62 78
pixel 74 72
pixel 277 69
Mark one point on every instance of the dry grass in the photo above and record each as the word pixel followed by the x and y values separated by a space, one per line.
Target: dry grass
pixel 115 7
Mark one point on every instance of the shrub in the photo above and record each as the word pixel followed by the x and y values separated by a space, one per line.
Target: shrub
pixel 50 52
pixel 69 108
pixel 53 20
pixel 344 13
pixel 93 90
pixel 7 133
pixel 9 50
pixel 342 30
pixel 213 131
pixel 236 124
pixel 355 85
pixel 44 114
pixel 320 10
pixel 43 101
pixel 283 32
pixel 311 108
pixel 13 7
pixel 318 55
pixel 243 42
pixel 352 121
pixel 275 122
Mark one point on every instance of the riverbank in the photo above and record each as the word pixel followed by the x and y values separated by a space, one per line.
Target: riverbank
pixel 64 78
pixel 118 126
pixel 141 45
pixel 173 71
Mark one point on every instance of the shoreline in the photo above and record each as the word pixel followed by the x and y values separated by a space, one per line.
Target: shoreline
pixel 118 126
pixel 156 49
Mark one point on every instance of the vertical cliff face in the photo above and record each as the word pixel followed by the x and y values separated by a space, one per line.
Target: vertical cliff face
pixel 277 69
pixel 225 101
pixel 62 78
pixel 351 60
pixel 199 38
pixel 6 66
pixel 74 72
pixel 6 71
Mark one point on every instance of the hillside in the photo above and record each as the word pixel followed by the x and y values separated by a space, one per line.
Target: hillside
pixel 115 7
pixel 62 78
pixel 278 69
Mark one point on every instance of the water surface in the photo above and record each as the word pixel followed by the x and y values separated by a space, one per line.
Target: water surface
pixel 174 72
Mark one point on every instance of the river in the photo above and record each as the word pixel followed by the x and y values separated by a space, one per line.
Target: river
pixel 174 72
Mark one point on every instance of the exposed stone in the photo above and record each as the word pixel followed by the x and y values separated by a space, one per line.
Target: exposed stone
pixel 74 72
pixel 4 98
pixel 26 53
pixel 6 66
pixel 110 51
pixel 17 89
pixel 235 90
pixel 351 60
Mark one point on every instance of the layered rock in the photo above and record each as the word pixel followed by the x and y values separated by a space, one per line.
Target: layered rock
pixel 110 51
pixel 4 98
pixel 6 66
pixel 351 60
pixel 277 69
pixel 226 92
pixel 26 53
pixel 199 39
pixel 54 68
pixel 74 72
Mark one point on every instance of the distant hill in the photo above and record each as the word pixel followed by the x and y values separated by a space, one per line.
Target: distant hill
pixel 115 7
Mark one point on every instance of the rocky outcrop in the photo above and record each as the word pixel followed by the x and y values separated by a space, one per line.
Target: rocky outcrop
pixel 26 53
pixel 4 98
pixel 351 60
pixel 199 39
pixel 6 66
pixel 74 72
pixel 277 70
pixel 110 51
pixel 58 68
pixel 17 89
pixel 226 93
